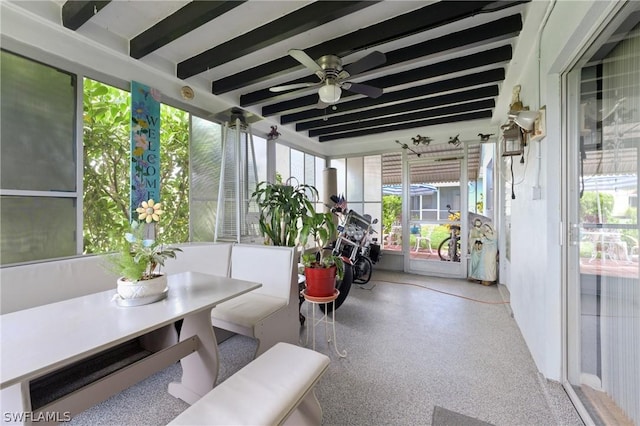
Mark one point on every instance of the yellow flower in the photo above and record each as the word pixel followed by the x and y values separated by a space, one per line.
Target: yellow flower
pixel 150 211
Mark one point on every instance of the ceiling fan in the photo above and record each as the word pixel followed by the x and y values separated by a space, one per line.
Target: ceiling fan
pixel 333 76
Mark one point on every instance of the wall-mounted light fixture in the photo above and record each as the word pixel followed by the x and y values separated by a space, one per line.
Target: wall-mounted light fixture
pixel 187 93
pixel 525 119
pixel 515 132
pixel 512 140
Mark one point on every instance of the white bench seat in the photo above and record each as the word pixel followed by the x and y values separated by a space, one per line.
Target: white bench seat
pixel 275 388
pixel 246 311
pixel 270 313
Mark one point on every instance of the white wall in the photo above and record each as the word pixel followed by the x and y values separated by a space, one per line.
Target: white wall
pixel 535 274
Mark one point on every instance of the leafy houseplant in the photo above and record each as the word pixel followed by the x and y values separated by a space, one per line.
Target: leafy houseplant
pixel 139 259
pixel 321 268
pixel 282 208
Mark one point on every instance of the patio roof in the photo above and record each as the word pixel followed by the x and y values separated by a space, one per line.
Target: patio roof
pixel 416 189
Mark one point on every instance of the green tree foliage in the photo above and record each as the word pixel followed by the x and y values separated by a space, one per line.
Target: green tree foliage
pixel 589 207
pixel 480 204
pixel 174 174
pixel 391 211
pixel 107 162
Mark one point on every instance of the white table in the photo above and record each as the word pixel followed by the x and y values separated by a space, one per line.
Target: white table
pixel 46 338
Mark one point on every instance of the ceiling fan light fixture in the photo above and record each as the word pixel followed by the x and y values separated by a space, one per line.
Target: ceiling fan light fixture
pixel 330 93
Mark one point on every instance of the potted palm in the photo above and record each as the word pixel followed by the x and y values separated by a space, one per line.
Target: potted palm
pixel 140 256
pixel 322 267
pixel 281 209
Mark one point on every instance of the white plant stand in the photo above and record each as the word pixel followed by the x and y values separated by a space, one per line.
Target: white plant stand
pixel 311 327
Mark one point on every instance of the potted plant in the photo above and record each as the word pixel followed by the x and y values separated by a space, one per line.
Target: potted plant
pixel 139 258
pixel 282 208
pixel 322 267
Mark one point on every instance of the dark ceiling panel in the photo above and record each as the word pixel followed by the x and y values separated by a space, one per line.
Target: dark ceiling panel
pixel 185 20
pixel 470 80
pixel 409 117
pixel 409 125
pixel 75 13
pixel 493 56
pixel 294 23
pixel 446 60
pixel 405 107
pixel 499 30
pixel 476 60
pixel 428 17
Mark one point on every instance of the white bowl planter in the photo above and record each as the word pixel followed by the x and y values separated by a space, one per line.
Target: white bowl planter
pixel 139 289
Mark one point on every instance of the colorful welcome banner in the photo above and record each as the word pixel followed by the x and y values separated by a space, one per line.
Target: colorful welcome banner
pixel 145 145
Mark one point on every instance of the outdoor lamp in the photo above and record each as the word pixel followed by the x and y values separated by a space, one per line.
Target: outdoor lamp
pixel 526 119
pixel 512 141
pixel 330 93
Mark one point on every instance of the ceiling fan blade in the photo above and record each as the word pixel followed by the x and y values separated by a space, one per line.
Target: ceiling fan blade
pixel 363 89
pixel 286 87
pixel 306 60
pixel 372 60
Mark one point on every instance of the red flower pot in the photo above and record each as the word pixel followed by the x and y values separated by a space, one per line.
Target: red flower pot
pixel 321 282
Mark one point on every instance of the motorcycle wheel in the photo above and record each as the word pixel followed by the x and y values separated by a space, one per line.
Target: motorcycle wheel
pixel 362 270
pixel 343 286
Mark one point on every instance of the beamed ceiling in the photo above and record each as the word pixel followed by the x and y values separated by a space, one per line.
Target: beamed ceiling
pixel 445 60
pixel 445 70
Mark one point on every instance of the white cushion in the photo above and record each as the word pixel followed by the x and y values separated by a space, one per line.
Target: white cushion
pixel 248 309
pixel 264 392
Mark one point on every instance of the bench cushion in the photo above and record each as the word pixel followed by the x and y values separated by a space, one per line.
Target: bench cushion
pixel 248 309
pixel 264 392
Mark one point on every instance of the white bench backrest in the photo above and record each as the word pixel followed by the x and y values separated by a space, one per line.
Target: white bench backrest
pixel 26 286
pixel 208 258
pixel 35 284
pixel 274 267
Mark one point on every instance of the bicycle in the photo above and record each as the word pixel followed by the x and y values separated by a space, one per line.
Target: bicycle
pixel 449 248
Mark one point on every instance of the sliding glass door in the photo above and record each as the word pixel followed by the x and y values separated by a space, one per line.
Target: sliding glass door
pixel 603 317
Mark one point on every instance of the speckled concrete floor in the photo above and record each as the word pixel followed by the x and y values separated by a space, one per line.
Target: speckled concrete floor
pixel 409 349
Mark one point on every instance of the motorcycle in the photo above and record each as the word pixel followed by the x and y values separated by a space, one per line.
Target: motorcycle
pixel 356 246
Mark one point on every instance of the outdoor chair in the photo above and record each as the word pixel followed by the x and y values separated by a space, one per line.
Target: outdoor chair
pixel 427 238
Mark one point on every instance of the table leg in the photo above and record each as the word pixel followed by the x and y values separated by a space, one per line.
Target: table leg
pixel 16 401
pixel 199 369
